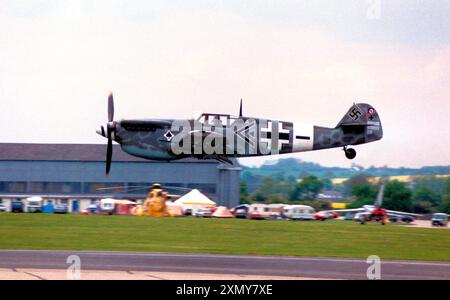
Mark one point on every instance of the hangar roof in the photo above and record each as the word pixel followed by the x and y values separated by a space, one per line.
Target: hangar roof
pixel 72 152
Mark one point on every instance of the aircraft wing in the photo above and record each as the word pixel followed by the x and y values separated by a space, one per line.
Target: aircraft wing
pixel 401 213
pixel 344 210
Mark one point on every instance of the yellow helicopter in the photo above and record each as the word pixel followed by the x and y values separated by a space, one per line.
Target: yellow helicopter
pixel 155 203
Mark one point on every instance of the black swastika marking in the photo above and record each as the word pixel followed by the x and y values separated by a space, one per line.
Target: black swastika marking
pixel 354 114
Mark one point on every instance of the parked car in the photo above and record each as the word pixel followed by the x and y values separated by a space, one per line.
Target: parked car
pixel 349 217
pixel 322 216
pixel 16 206
pixel 240 211
pixel 407 219
pixel 2 207
pixel 394 219
pixel 439 219
pixel 203 212
pixel 61 209
pixel 276 216
pixel 92 209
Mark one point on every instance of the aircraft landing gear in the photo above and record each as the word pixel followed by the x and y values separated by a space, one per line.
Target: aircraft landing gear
pixel 350 153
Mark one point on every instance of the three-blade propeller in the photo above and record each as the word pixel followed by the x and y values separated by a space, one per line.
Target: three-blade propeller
pixel 109 129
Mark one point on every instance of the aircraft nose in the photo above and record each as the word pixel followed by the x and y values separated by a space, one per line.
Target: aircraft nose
pixel 101 131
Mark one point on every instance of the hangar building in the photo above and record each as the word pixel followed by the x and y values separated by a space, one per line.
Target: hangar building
pixel 72 173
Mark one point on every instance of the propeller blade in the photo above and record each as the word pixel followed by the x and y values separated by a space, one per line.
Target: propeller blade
pixel 179 188
pixel 122 187
pixel 109 151
pixel 110 108
pixel 240 109
pixel 172 196
pixel 142 187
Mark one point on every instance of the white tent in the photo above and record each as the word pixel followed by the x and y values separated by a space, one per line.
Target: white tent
pixel 194 198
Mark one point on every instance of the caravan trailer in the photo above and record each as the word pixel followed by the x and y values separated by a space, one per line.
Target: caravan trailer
pixel 299 212
pixel 34 204
pixel 258 211
pixel 107 206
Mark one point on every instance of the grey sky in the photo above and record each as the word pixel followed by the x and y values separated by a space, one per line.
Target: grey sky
pixel 290 60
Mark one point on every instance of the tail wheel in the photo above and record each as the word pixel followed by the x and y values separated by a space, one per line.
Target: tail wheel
pixel 350 153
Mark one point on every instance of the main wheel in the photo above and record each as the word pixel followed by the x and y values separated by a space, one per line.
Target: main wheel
pixel 350 153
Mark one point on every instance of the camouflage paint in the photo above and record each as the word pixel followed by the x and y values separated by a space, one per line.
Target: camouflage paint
pixel 243 136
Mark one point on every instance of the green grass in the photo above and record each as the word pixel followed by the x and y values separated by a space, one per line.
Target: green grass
pixel 231 236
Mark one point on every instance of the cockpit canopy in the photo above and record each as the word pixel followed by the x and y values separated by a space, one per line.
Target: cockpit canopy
pixel 216 119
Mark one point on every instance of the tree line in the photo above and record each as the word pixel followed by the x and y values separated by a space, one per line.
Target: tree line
pixel 423 195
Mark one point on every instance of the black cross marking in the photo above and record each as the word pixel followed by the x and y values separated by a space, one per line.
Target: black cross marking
pixel 168 135
pixel 284 136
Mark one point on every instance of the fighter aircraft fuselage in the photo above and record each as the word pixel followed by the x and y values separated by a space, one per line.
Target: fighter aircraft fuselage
pixel 221 136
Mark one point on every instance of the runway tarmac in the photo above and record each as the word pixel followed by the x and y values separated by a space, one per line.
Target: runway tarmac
pixel 269 266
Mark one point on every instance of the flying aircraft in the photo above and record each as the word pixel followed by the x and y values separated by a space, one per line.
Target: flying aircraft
pixel 373 212
pixel 222 136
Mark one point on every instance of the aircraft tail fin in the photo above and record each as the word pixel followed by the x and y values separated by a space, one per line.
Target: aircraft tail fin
pixel 362 118
pixel 360 114
pixel 379 200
